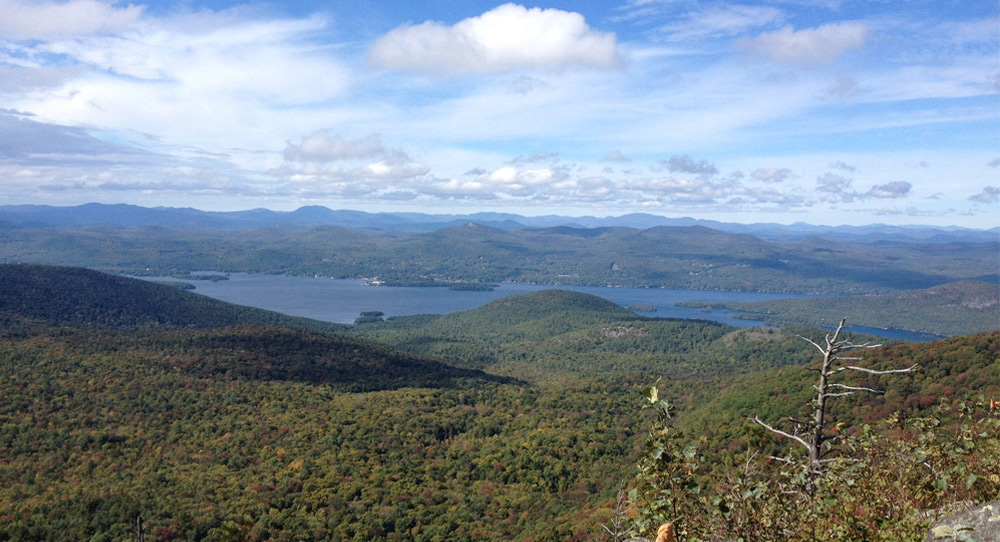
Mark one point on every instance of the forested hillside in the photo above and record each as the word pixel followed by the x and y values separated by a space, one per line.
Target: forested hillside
pixel 68 296
pixel 958 308
pixel 670 257
pixel 558 332
pixel 518 421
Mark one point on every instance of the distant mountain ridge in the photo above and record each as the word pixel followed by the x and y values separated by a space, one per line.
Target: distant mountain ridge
pixel 132 216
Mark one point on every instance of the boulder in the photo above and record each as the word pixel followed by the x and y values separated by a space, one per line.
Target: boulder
pixel 981 524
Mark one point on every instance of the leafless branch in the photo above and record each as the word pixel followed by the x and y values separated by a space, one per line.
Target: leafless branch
pixel 874 372
pixel 810 341
pixel 815 436
pixel 856 388
pixel 796 438
pixel 782 459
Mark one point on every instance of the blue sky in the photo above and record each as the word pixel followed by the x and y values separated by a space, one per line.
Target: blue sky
pixel 827 111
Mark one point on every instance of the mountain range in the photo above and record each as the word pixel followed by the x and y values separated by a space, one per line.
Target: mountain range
pixel 132 216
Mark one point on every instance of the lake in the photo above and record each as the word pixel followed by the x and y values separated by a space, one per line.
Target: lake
pixel 343 300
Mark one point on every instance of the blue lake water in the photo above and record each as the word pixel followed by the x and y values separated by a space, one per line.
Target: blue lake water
pixel 342 300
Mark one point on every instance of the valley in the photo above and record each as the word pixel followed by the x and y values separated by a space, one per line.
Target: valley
pixel 518 420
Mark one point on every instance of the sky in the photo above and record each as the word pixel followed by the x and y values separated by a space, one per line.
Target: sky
pixel 829 112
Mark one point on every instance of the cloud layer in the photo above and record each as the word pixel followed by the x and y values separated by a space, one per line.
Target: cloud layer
pixel 39 19
pixel 832 112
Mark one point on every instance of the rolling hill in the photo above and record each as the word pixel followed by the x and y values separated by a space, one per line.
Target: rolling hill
pixel 692 257
pixel 958 308
pixel 553 333
pixel 70 296
pixel 131 314
pixel 125 398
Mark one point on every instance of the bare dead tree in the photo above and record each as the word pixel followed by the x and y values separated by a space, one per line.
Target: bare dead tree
pixel 816 434
pixel 617 526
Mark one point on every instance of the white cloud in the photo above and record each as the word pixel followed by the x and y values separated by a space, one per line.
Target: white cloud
pixel 212 81
pixel 841 165
pixel 722 20
pixel 322 146
pixel 990 194
pixel 820 45
pixel 895 189
pixel 836 187
pixel 392 169
pixel 685 164
pixel 534 158
pixel 771 175
pixel 508 37
pixel 616 156
pixel 44 19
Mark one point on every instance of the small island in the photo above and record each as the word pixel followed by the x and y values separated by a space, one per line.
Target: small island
pixel 642 308
pixel 211 277
pixel 472 287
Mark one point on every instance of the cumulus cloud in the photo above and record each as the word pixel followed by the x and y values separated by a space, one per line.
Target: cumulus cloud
pixel 895 189
pixel 685 164
pixel 771 175
pixel 684 190
pixel 841 165
pixel 325 159
pixel 393 165
pixel 836 187
pixel 323 146
pixel 508 37
pixel 534 158
pixel 616 156
pixel 810 46
pixel 43 19
pixel 990 194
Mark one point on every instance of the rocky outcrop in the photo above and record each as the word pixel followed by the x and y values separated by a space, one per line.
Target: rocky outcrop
pixel 981 524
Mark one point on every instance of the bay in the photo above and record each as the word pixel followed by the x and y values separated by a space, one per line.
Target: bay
pixel 343 300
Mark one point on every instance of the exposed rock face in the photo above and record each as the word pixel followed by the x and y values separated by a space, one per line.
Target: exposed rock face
pixel 984 521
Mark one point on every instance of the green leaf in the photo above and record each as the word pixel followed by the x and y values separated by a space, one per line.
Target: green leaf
pixel 652 394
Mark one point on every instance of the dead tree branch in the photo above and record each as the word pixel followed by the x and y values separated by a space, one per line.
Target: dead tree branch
pixel 830 366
